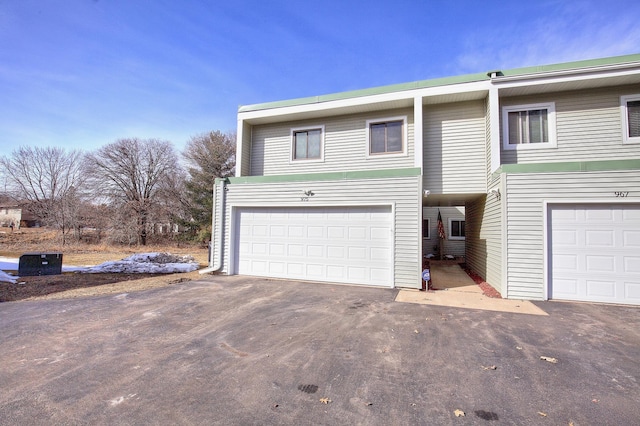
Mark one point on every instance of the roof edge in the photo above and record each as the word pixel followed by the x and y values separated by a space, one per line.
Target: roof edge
pixel 445 81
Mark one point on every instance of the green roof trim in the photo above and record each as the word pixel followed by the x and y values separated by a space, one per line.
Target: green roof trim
pixel 401 87
pixel 577 166
pixel 442 81
pixel 566 66
pixel 309 177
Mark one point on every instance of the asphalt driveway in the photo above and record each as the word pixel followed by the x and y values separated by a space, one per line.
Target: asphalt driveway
pixel 238 350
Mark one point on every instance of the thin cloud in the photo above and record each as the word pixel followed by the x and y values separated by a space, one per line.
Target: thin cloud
pixel 574 34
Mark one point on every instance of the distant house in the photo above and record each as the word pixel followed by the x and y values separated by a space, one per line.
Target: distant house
pixel 10 216
pixel 542 164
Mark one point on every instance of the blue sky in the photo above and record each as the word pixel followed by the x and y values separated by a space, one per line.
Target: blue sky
pixel 84 73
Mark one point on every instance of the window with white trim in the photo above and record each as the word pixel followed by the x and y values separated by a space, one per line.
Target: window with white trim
pixel 387 136
pixel 456 229
pixel 307 143
pixel 630 109
pixel 426 229
pixel 529 126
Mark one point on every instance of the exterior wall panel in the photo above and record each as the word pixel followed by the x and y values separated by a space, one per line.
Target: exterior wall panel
pixel 402 193
pixel 588 127
pixel 455 148
pixel 484 239
pixel 345 146
pixel 525 196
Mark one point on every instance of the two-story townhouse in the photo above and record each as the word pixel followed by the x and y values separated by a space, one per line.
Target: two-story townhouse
pixel 544 161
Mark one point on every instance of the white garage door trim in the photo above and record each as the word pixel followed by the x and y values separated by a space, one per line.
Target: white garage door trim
pixel 326 270
pixel 615 275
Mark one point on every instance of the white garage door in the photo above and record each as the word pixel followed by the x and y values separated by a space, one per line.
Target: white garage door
pixel 595 253
pixel 334 244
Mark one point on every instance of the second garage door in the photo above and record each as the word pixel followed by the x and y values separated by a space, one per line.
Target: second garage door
pixel 335 244
pixel 595 253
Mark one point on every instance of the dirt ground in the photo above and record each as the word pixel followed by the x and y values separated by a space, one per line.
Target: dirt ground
pixel 72 285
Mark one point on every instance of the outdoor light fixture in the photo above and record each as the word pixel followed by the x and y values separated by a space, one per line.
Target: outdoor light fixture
pixel 495 192
pixel 307 192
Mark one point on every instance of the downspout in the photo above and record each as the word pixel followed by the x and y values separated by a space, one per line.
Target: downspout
pixel 216 265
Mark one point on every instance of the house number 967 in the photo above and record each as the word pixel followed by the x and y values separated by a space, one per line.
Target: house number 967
pixel 621 193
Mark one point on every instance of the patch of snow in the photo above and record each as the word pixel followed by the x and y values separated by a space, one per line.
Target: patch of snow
pixel 141 263
pixel 6 278
pixel 147 263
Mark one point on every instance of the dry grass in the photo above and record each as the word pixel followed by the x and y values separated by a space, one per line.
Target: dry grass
pixel 71 285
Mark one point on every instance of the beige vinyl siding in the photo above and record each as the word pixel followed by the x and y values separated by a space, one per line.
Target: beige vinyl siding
pixel 452 247
pixel 245 167
pixel 345 147
pixel 217 225
pixel 402 193
pixel 525 194
pixel 455 148
pixel 484 239
pixel 588 127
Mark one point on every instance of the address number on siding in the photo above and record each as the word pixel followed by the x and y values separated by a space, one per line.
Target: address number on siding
pixel 621 193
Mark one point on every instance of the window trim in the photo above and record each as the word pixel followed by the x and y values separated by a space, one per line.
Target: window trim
pixel 292 145
pixel 551 122
pixel 405 138
pixel 450 236
pixel 428 223
pixel 626 139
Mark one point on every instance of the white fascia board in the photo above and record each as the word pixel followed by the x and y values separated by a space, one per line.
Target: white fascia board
pixel 407 95
pixel 494 125
pixel 453 89
pixel 239 141
pixel 564 76
pixel 418 143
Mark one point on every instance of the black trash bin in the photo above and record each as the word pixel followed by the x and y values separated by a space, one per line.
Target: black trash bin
pixel 34 264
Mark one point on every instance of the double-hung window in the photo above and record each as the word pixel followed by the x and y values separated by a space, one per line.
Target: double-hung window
pixel 387 136
pixel 630 110
pixel 456 229
pixel 426 229
pixel 307 144
pixel 529 126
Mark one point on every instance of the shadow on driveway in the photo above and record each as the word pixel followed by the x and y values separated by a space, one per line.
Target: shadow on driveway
pixel 239 350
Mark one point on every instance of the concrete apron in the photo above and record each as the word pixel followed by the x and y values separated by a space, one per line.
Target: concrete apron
pixel 454 288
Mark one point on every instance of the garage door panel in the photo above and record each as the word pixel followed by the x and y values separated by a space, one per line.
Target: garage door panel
pixel 632 264
pixel 593 252
pixel 631 238
pixel 632 291
pixel 350 244
pixel 603 239
pixel 600 263
pixel 600 288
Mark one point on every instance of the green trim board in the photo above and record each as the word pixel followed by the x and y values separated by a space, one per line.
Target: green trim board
pixel 575 166
pixel 364 174
pixel 442 81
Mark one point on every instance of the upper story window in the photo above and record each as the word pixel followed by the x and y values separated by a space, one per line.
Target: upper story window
pixel 307 143
pixel 529 126
pixel 456 229
pixel 387 136
pixel 630 108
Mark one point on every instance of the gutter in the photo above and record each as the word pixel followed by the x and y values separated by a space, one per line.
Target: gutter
pixel 216 265
pixel 499 77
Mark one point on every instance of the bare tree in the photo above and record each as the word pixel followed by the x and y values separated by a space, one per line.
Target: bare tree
pixel 209 156
pixel 130 173
pixel 49 180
